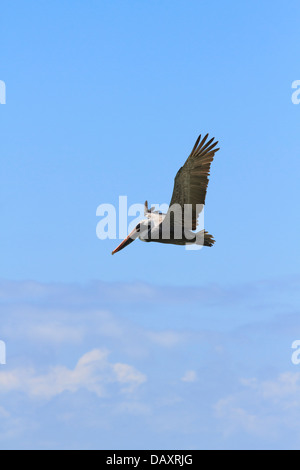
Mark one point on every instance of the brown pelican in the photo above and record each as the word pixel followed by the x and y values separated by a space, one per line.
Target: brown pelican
pixel 178 224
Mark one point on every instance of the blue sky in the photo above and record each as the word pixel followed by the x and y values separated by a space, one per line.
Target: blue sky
pixel 156 347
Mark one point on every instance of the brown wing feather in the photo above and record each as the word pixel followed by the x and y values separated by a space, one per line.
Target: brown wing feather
pixel 191 181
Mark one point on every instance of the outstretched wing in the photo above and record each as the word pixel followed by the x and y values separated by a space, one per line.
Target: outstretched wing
pixel 191 181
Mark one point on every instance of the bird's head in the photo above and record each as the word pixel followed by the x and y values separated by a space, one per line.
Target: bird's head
pixel 141 229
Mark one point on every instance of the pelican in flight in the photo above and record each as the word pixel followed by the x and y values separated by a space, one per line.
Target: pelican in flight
pixel 178 225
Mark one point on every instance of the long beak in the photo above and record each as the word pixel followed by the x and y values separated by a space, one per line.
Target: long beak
pixel 131 237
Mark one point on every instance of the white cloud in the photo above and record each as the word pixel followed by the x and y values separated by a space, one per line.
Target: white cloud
pixel 189 376
pixel 166 338
pixel 128 376
pixel 236 418
pixel 48 324
pixel 280 390
pixel 287 385
pixel 56 333
pixel 4 413
pixel 262 407
pixel 92 372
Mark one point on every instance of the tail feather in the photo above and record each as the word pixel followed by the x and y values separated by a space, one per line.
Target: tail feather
pixel 204 238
